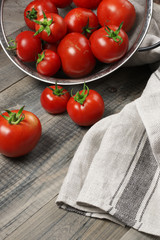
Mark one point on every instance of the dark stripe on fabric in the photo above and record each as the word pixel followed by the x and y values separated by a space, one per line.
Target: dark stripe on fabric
pixel 128 168
pixel 71 209
pixel 137 187
pixel 149 198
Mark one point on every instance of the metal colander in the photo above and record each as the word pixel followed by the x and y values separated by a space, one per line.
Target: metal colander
pixel 12 22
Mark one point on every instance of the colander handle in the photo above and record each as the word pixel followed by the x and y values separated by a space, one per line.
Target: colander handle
pixel 143 49
pixel 1 34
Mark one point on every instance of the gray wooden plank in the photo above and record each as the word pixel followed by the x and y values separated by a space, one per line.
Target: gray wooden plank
pixel 56 224
pixel 37 224
pixel 9 73
pixel 13 18
pixel 103 230
pixel 30 182
pixel 135 235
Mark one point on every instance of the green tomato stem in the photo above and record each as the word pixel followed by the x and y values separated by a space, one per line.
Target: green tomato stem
pixel 14 118
pixel 81 97
pixel 44 25
pixel 114 34
pixel 57 91
pixel 41 56
pixel 12 45
pixel 31 15
pixel 87 29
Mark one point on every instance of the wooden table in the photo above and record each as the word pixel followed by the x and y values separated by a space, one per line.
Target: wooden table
pixel 30 185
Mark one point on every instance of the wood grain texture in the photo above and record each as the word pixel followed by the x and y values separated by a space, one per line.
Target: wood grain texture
pixel 9 72
pixel 29 183
pixel 135 235
pixel 13 18
pixel 53 223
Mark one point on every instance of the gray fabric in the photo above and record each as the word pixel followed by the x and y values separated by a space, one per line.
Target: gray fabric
pixel 137 186
pixel 115 173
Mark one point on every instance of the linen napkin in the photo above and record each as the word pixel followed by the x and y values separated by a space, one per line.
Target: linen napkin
pixel 115 173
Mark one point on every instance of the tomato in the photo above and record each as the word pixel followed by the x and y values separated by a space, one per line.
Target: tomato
pixel 35 9
pixel 54 99
pixel 30 14
pixel 50 27
pixel 91 4
pixel 109 44
pixel 46 6
pixel 62 3
pixel 19 133
pixel 28 46
pixel 114 12
pixel 51 46
pixel 81 20
pixel 86 107
pixel 76 56
pixel 48 63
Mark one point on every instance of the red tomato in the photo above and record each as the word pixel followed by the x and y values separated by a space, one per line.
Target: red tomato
pixel 109 44
pixel 35 9
pixel 114 12
pixel 50 27
pixel 54 99
pixel 30 14
pixel 18 139
pixel 91 4
pixel 46 6
pixel 51 46
pixel 81 20
pixel 86 107
pixel 62 3
pixel 76 55
pixel 48 63
pixel 28 46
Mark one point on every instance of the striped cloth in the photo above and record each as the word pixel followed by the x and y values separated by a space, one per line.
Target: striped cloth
pixel 115 173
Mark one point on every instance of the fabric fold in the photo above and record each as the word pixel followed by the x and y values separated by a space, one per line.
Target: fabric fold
pixel 115 172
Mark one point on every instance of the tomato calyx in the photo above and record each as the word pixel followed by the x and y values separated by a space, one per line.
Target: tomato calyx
pixel 114 34
pixel 41 56
pixel 44 25
pixel 12 45
pixel 81 97
pixel 14 118
pixel 31 15
pixel 87 29
pixel 57 91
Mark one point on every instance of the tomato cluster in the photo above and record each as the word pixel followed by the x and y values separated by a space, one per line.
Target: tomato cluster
pixel 85 108
pixel 73 43
pixel 21 130
pixel 78 40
